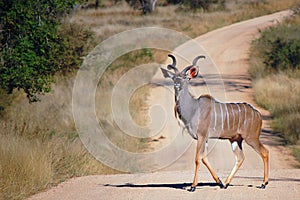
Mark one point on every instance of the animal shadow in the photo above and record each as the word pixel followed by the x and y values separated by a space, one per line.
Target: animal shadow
pixel 180 186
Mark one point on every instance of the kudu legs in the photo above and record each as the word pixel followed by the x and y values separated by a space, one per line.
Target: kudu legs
pixel 264 153
pixel 212 172
pixel 200 151
pixel 239 158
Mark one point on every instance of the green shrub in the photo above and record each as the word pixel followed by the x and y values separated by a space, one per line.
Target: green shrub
pixel 30 47
pixel 278 48
pixel 283 54
pixel 77 41
pixel 199 4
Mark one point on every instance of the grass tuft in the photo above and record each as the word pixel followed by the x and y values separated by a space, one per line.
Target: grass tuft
pixel 24 168
pixel 280 94
pixel 296 152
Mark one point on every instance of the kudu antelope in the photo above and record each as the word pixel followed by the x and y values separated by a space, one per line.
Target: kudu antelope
pixel 205 117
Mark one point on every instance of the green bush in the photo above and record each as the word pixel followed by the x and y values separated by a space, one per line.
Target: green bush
pixel 76 42
pixel 198 4
pixel 283 54
pixel 30 48
pixel 205 4
pixel 279 46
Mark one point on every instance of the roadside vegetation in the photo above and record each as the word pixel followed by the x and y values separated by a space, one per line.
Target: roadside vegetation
pixel 275 68
pixel 39 145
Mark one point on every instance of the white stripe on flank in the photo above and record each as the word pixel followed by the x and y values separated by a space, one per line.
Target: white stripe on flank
pixel 222 115
pixel 245 116
pixel 238 129
pixel 252 116
pixel 227 115
pixel 233 116
pixel 215 115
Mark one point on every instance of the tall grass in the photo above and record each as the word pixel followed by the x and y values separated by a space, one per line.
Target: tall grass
pixel 280 94
pixel 25 167
pixel 39 146
pixel 275 67
pixel 28 166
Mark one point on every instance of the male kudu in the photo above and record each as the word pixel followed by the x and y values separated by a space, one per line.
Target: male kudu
pixel 205 117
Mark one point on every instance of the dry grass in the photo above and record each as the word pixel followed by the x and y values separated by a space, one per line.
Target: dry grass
pixel 24 167
pixel 296 152
pixel 28 166
pixel 39 145
pixel 114 19
pixel 279 93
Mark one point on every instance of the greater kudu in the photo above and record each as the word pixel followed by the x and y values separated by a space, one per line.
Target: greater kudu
pixel 205 117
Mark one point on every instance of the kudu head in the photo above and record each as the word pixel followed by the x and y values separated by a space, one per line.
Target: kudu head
pixel 181 78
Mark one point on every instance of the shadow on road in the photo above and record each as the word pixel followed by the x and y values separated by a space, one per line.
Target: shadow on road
pixel 283 179
pixel 185 186
pixel 182 186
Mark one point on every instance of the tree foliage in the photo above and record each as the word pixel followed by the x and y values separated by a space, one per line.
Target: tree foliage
pixel 30 47
pixel 146 6
pixel 198 4
pixel 284 54
pixel 281 46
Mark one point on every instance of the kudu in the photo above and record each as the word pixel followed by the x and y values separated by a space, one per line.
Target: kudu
pixel 205 117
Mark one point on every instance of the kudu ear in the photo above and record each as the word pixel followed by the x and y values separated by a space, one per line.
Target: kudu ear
pixel 193 72
pixel 167 74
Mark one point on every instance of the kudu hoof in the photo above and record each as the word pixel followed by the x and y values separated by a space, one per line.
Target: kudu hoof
pixel 263 186
pixel 226 186
pixel 221 185
pixel 192 189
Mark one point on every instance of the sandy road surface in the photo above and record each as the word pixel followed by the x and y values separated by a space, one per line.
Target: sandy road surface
pixel 228 48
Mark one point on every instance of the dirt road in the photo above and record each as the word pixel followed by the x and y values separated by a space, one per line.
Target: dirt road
pixel 228 48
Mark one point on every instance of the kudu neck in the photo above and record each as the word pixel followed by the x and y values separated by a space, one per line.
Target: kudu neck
pixel 185 105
